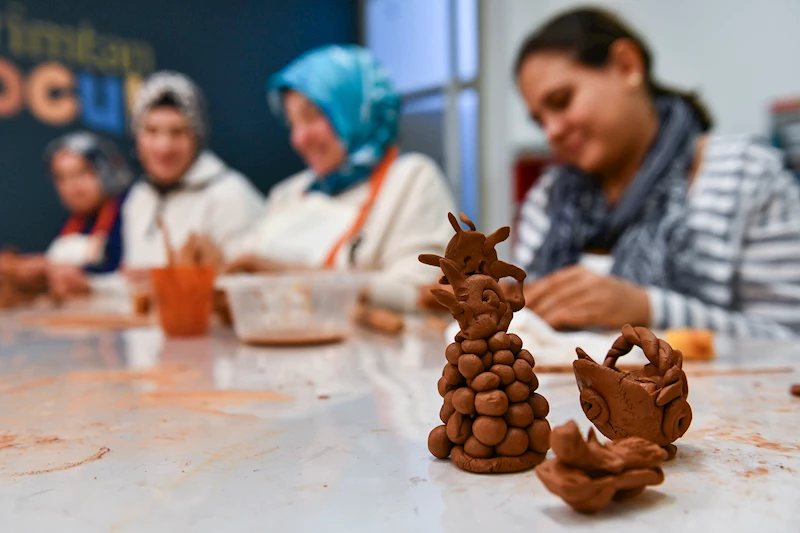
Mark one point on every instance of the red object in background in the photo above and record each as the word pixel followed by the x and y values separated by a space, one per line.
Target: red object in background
pixel 527 170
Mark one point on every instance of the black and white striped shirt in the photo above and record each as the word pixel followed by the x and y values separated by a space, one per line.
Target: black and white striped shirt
pixel 744 209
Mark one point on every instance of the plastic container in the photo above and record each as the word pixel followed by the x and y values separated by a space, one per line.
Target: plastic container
pixel 184 297
pixel 298 309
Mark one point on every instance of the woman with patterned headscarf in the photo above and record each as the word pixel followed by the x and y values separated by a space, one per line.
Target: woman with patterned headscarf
pixel 360 204
pixel 92 180
pixel 184 183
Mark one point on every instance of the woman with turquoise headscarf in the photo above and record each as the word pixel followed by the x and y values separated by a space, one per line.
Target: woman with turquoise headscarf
pixel 360 204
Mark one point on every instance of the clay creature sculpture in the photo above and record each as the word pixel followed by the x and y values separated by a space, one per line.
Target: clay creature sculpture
pixel 493 420
pixel 650 403
pixel 474 253
pixel 588 475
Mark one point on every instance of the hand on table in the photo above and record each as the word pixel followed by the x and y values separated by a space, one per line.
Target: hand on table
pixel 577 298
pixel 251 263
pixel 67 280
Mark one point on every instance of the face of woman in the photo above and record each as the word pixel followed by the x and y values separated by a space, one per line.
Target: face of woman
pixel 312 135
pixel 166 145
pixel 586 113
pixel 77 183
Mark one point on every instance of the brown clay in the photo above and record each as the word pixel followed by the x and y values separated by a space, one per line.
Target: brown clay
pixel 459 428
pixel 438 443
pixel 464 401
pixel 588 475
pixel 519 415
pixel 490 430
pixel 517 392
pixel 515 443
pixel 795 390
pixel 470 365
pixel 491 424
pixel 491 403
pixel 650 402
pixel 453 352
pixel 505 373
pixel 539 404
pixel 503 357
pixel 485 381
pixel 478 346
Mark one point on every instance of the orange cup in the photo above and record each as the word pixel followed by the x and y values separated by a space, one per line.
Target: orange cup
pixel 184 296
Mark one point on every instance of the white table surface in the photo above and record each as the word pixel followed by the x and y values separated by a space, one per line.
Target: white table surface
pixel 340 443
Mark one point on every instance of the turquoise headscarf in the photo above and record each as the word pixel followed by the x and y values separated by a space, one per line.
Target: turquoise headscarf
pixel 357 96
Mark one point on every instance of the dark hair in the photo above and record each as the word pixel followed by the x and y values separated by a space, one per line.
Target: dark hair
pixel 166 100
pixel 587 34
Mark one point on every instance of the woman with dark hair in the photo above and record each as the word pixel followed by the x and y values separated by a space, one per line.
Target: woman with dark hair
pixel 648 219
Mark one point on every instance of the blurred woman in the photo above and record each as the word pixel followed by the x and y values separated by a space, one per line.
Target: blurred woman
pixel 648 219
pixel 92 180
pixel 184 183
pixel 360 204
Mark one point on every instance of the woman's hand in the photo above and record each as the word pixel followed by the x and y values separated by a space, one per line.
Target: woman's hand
pixel 427 301
pixel 576 298
pixel 251 263
pixel 67 280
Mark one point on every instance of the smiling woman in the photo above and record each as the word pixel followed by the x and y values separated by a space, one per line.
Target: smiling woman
pixel 648 219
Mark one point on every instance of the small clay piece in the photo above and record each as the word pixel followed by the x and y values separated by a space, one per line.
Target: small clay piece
pixel 504 372
pixel 503 357
pixel 517 391
pixel 453 352
pixel 522 371
pixel 491 403
pixel 588 475
pixel 477 346
pixel 490 430
pixel 499 341
pixel 519 415
pixel 485 381
pixel 539 404
pixel 470 365
pixel 650 402
pixel 438 443
pixel 494 423
pixel 464 401
pixel 795 390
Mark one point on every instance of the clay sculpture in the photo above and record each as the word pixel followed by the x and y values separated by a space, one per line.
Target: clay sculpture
pixel 493 419
pixel 588 475
pixel 650 403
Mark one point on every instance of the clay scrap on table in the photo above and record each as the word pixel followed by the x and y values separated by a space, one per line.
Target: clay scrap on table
pixel 650 402
pixel 795 390
pixel 588 475
pixel 493 419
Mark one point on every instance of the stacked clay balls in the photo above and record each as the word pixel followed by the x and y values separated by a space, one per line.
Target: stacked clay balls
pixel 491 407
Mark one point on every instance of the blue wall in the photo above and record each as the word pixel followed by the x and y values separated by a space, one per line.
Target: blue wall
pixel 228 47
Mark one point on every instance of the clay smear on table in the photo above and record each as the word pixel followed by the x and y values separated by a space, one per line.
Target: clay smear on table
pixel 650 402
pixel 588 475
pixel 493 419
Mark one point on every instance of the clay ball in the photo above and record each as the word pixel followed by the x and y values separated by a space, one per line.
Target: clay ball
pixel 443 387
pixel 447 407
pixel 517 392
pixel 515 443
pixel 478 347
pixel 490 430
pixel 519 415
pixel 459 428
pixel 488 360
pixel 499 341
pixel 451 375
pixel 476 448
pixel 503 357
pixel 438 443
pixel 539 436
pixel 491 403
pixel 539 405
pixel 523 371
pixel 453 352
pixel 526 356
pixel 485 381
pixel 470 365
pixel 516 343
pixel 464 401
pixel 505 372
pixel 533 384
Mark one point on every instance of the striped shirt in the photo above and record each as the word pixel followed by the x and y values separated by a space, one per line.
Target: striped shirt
pixel 744 211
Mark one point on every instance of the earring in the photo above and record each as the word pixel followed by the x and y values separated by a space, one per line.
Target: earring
pixel 635 79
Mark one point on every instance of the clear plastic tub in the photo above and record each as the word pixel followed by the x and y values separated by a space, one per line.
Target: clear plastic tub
pixel 297 309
